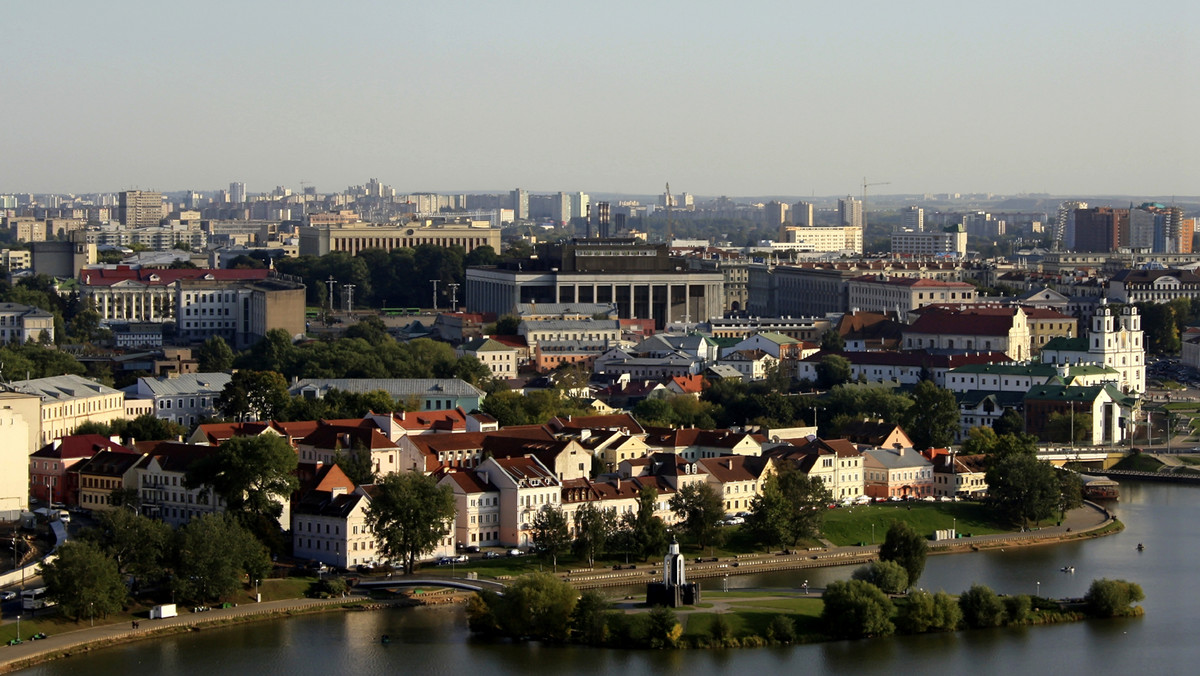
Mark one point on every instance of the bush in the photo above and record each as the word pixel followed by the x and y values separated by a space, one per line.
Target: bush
pixel 662 628
pixel 1019 609
pixel 720 629
pixel 1111 598
pixel 981 607
pixel 889 576
pixel 925 612
pixel 781 629
pixel 856 609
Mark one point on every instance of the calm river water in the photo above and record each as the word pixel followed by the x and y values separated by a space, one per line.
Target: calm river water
pixel 435 641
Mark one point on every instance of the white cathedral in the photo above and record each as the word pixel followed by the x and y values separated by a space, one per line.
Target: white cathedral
pixel 1114 341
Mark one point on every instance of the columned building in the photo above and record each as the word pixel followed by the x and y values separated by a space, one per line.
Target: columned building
pixel 639 278
pixel 318 240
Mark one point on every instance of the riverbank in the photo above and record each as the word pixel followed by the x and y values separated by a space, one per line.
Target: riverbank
pixel 1090 520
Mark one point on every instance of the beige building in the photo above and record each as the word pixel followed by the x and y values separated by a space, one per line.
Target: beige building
pixel 67 401
pixel 318 240
pixel 14 455
pixel 24 323
pixel 737 478
pixel 880 293
pixel 500 359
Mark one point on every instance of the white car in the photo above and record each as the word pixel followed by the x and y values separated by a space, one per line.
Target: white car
pixel 8 595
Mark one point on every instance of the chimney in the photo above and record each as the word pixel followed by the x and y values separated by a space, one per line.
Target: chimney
pixel 617 482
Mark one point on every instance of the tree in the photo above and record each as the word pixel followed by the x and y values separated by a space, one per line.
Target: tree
pixel 1068 427
pixel 147 427
pixel 84 581
pixel 137 544
pixel 254 475
pixel 536 606
pixel 806 498
pixel 648 533
pixel 593 526
pixel 212 554
pixel 699 508
pixel 662 628
pixel 1009 423
pixel 1110 598
pixel 1070 490
pixel 906 547
pixel 889 576
pixel 410 514
pixel 254 395
pixel 833 370
pixel 832 341
pixel 1021 487
pixel 923 612
pixel 979 440
pixel 981 607
pixel 932 420
pixel 856 609
pixel 508 325
pixel 215 355
pixel 589 620
pixel 550 534
pixel 356 465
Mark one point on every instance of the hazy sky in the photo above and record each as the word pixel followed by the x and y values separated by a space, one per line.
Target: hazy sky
pixel 737 98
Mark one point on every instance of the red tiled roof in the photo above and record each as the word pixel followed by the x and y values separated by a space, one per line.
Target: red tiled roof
pixel 963 323
pixel 79 446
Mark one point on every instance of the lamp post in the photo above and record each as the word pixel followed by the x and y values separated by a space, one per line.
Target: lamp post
pixel 954 527
pixel 92 613
pixel 257 596
pixel 872 533
pixel 1039 589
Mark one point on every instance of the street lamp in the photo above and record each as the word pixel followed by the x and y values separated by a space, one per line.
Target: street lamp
pixel 954 526
pixel 872 533
pixel 92 613
pixel 1039 589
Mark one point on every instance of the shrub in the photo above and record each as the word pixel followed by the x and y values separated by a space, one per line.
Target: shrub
pixel 981 607
pixel 781 629
pixel 856 609
pixel 889 576
pixel 720 629
pixel 662 628
pixel 1019 609
pixel 1110 598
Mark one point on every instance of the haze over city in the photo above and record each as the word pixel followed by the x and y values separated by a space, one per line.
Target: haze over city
pixel 747 99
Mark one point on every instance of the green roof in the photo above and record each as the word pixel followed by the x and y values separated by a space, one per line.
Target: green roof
pixel 1077 393
pixel 778 338
pixel 1031 369
pixel 1066 344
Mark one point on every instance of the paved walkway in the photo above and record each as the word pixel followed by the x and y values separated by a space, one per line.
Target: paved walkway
pixel 66 641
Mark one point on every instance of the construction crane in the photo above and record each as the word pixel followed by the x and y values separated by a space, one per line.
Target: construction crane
pixel 864 199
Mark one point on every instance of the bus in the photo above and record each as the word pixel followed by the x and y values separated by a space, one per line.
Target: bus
pixel 33 599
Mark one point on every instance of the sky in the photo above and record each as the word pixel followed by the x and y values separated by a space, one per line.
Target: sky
pixel 718 98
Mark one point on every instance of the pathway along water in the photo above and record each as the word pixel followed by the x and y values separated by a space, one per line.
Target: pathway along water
pixel 1166 518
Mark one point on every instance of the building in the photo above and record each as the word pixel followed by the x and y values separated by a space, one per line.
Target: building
pixel 850 212
pixel 640 279
pixel 950 242
pixel 139 208
pixel 1109 409
pixel 897 472
pixel 912 219
pixel 1114 342
pixel 68 401
pixel 103 473
pixel 61 259
pixel 161 483
pixel 185 398
pixel 500 359
pixel 318 240
pixel 737 478
pixel 1153 286
pixel 50 478
pixel 14 454
pixel 971 330
pixel 425 394
pixel 1103 229
pixel 25 323
pixel 477 508
pixel 526 487
pixel 239 306
pixel 880 293
pixel 832 239
pixel 802 214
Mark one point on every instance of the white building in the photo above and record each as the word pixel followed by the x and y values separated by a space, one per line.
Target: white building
pixel 1113 341
pixel 69 400
pixel 184 398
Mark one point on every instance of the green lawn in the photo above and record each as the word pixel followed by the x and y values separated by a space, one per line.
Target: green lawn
pixel 1189 459
pixel 852 525
pixel 282 588
pixel 810 606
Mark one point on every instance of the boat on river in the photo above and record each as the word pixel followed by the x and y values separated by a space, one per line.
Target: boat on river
pixel 1100 488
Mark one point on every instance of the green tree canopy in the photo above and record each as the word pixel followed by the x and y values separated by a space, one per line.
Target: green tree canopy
pixel 550 534
pixel 833 370
pixel 906 547
pixel 889 576
pixel 856 609
pixel 535 606
pixel 212 553
pixel 924 612
pixel 254 475
pixel 789 508
pixel 137 544
pixel 932 420
pixel 84 581
pixel 410 514
pixel 254 395
pixel 699 508
pixel 981 607
pixel 593 527
pixel 1110 598
pixel 1020 486
pixel 214 355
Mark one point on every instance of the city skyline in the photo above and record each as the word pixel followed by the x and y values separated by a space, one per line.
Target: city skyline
pixel 935 97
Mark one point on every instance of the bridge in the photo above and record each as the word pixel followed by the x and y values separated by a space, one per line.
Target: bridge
pixel 1106 456
pixel 452 583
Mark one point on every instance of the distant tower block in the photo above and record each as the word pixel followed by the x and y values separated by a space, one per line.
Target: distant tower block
pixel 674 590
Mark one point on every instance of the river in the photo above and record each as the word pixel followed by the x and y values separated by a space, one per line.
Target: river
pixel 1165 517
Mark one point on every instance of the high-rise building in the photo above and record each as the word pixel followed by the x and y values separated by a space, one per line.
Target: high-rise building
pixel 1064 226
pixel 1101 229
pixel 520 204
pixel 579 205
pixel 139 208
pixel 850 212
pixel 775 213
pixel 912 219
pixel 600 216
pixel 1156 228
pixel 237 193
pixel 802 214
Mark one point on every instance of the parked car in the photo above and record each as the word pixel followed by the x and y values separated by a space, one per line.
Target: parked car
pixel 490 554
pixel 473 549
pixel 8 595
pixel 515 552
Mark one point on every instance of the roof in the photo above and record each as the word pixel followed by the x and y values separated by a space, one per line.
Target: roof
pixel 729 468
pixel 1010 369
pixel 873 432
pixel 163 277
pixel 471 482
pixel 396 387
pixel 915 358
pixel 616 421
pixel 777 338
pixel 690 384
pixel 570 325
pixel 486 345
pixel 185 383
pixel 174 456
pixel 109 463
pixel 329 435
pixel 1075 393
pixel 911 282
pixel 963 323
pixel 1078 344
pixel 62 388
pixel 893 459
pixel 589 309
pixel 78 446
pixel 689 436
pixel 974 398
pixel 24 310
